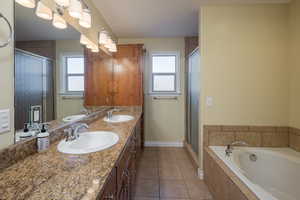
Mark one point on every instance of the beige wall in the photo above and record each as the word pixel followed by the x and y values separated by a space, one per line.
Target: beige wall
pixel 66 106
pixel 164 119
pixel 6 73
pixel 294 62
pixel 244 67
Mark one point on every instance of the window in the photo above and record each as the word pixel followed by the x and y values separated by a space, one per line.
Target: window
pixel 165 73
pixel 73 74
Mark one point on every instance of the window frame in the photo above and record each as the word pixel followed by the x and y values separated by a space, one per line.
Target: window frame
pixel 176 74
pixel 64 74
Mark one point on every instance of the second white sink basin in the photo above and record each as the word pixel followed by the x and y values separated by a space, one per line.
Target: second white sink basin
pixel 89 142
pixel 119 118
pixel 72 118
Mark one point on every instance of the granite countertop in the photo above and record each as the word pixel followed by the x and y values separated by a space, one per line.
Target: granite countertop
pixel 52 175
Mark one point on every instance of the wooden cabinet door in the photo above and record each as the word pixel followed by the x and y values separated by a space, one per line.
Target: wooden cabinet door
pixel 128 80
pixel 98 79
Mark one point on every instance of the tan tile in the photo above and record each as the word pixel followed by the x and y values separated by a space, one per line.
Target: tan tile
pixel 262 128
pixel 212 128
pixel 275 139
pixel 181 155
pixel 235 193
pixel 251 138
pixel 235 128
pixel 173 189
pixel 221 138
pixel 188 170
pixel 147 172
pixel 147 163
pixel 171 172
pixel 295 141
pixel 147 188
pixel 197 189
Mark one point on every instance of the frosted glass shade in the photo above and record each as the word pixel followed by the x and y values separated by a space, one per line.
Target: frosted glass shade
pixel 75 9
pixel 103 38
pixel 113 48
pixel 86 19
pixel 95 49
pixel 84 40
pixel 108 43
pixel 27 3
pixel 59 22
pixel 90 45
pixel 63 3
pixel 43 11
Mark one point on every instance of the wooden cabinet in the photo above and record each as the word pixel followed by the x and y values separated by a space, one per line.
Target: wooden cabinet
pixel 98 80
pixel 115 80
pixel 121 183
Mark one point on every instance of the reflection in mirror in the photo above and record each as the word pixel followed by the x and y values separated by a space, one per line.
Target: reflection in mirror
pixel 49 74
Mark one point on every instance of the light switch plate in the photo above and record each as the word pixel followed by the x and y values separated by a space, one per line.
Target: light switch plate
pixel 209 101
pixel 4 121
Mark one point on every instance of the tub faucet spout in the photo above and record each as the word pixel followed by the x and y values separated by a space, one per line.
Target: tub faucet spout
pixel 229 148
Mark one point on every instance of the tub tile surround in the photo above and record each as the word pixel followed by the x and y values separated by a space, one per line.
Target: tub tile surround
pixel 255 136
pixel 25 148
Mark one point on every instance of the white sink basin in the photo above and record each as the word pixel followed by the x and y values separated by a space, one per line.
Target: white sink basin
pixel 72 118
pixel 89 142
pixel 119 118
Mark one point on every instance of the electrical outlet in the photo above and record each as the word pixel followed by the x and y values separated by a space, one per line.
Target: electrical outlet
pixel 4 121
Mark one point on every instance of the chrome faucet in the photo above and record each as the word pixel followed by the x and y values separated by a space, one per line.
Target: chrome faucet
pixel 229 149
pixel 72 133
pixel 110 112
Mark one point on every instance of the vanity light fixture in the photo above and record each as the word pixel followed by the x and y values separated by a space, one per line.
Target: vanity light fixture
pixel 26 3
pixel 63 3
pixel 84 40
pixel 58 21
pixel 75 9
pixel 43 11
pixel 86 19
pixel 103 37
pixel 90 45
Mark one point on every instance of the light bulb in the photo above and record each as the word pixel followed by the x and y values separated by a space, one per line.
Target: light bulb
pixel 86 19
pixel 75 9
pixel 43 11
pixel 103 37
pixel 59 22
pixel 63 3
pixel 89 45
pixel 27 3
pixel 84 40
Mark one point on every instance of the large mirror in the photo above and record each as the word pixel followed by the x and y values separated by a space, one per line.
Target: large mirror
pixel 49 74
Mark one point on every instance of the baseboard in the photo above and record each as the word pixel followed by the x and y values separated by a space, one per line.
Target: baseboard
pixel 163 144
pixel 200 174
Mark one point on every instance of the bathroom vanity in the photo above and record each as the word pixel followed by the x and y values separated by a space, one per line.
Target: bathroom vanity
pixel 106 174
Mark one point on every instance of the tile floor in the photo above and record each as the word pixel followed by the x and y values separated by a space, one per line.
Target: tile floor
pixel 168 174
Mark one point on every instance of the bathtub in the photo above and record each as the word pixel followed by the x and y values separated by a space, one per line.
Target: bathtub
pixel 275 175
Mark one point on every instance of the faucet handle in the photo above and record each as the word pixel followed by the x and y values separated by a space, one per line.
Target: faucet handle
pixel 69 134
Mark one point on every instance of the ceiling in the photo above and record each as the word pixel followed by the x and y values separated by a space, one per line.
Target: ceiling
pixel 30 27
pixel 157 18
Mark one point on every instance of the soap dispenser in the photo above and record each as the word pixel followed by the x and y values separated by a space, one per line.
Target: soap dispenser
pixel 43 141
